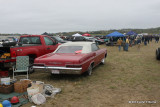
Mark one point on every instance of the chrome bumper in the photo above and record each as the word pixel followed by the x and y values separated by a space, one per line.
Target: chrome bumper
pixel 61 70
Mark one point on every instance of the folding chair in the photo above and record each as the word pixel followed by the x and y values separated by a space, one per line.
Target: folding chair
pixel 22 64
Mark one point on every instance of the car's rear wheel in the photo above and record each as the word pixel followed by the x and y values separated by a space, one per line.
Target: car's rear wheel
pixel 158 54
pixel 89 71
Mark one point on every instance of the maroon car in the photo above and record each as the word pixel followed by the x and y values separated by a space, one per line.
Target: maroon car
pixel 72 58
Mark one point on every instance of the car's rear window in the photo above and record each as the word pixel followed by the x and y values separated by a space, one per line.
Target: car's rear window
pixel 30 40
pixel 70 49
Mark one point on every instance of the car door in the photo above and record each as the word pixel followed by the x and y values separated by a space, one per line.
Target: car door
pixel 98 56
pixel 50 45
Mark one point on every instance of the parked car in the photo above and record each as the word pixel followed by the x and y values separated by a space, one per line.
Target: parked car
pixel 106 39
pixel 58 39
pixel 158 54
pixel 1 41
pixel 77 38
pixel 8 41
pixel 92 39
pixel 100 41
pixel 100 36
pixel 29 45
pixel 72 58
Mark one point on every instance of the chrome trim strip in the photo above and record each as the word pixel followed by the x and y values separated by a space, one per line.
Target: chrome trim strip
pixel 57 68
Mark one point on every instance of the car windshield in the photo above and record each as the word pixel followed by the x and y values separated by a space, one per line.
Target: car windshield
pixel 58 38
pixel 70 49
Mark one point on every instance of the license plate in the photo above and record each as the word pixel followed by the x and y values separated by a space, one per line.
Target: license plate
pixel 55 71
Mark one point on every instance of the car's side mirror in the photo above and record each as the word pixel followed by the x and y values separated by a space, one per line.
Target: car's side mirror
pixel 19 44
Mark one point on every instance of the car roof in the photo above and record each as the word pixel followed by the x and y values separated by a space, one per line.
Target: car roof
pixel 31 35
pixel 78 43
pixel 86 46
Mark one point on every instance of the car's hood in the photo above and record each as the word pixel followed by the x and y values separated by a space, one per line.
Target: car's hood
pixel 59 59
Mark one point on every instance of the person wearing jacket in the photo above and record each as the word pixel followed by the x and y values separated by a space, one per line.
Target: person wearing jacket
pixel 119 42
pixel 127 44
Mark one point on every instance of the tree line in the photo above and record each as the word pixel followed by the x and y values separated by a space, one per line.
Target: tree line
pixel 100 32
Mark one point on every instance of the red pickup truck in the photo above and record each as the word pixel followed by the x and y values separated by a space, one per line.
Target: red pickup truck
pixel 28 45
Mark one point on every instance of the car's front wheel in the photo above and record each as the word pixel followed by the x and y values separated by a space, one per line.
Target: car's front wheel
pixel 31 61
pixel 89 71
pixel 103 61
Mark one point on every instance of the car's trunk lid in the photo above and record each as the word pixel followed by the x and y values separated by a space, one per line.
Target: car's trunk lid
pixel 59 59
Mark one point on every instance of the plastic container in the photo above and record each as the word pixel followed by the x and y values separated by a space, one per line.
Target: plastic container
pixel 32 90
pixel 13 80
pixel 38 84
pixel 5 81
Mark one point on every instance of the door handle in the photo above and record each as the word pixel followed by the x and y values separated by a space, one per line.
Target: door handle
pixel 48 48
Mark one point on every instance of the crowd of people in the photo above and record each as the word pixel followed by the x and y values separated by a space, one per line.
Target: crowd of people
pixel 135 40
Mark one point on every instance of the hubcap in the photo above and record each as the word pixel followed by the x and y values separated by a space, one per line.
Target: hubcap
pixel 31 69
pixel 103 60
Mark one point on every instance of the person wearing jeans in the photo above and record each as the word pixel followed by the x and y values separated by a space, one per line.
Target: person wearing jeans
pixel 127 44
pixel 119 42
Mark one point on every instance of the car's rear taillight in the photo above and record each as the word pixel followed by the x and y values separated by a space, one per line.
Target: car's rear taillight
pixel 13 54
pixel 73 66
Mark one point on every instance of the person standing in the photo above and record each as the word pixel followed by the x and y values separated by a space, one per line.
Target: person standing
pixel 119 42
pixel 111 41
pixel 148 39
pixel 145 40
pixel 157 39
pixel 138 42
pixel 16 39
pixel 127 44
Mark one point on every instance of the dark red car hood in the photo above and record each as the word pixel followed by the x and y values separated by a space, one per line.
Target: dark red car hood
pixel 59 59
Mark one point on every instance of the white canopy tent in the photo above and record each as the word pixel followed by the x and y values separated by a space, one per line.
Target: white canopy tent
pixel 77 34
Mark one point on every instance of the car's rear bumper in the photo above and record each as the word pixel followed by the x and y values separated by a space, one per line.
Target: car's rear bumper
pixel 59 70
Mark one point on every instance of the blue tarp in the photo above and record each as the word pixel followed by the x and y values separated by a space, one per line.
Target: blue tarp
pixel 115 34
pixel 131 33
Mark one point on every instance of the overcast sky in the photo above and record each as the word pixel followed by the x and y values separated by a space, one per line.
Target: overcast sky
pixel 39 16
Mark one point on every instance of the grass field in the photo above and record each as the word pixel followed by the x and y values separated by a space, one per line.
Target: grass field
pixel 126 76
